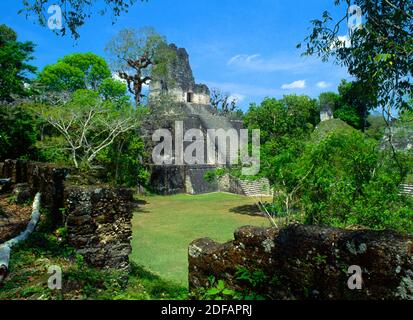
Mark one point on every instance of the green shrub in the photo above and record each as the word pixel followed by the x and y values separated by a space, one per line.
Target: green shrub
pixel 17 133
pixel 31 259
pixel 350 181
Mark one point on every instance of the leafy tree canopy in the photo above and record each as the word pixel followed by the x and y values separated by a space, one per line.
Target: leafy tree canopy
pixel 14 67
pixel 17 132
pixel 75 12
pixel 377 126
pixel 378 53
pixel 346 180
pixel 138 57
pixel 329 101
pixel 74 72
pixel 284 124
pixel 114 91
pixel 356 101
pixel 291 115
pixel 88 124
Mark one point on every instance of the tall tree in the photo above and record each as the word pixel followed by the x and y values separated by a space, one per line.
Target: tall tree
pixel 139 56
pixel 14 66
pixel 356 101
pixel 284 124
pixel 222 102
pixel 114 91
pixel 377 53
pixel 17 132
pixel 329 102
pixel 351 104
pixel 88 124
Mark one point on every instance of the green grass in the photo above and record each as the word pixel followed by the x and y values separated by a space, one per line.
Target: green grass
pixel 28 276
pixel 326 127
pixel 165 226
pixel 409 179
pixel 163 229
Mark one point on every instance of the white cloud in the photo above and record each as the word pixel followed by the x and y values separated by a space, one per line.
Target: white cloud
pixel 323 85
pixel 246 90
pixel 254 62
pixel 243 59
pixel 237 97
pixel 299 84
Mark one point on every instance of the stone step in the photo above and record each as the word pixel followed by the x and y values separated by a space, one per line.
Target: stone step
pixel 255 188
pixel 406 189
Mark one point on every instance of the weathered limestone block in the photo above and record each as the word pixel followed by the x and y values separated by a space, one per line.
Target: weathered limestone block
pixel 168 179
pixel 180 83
pixel 99 224
pixel 98 219
pixel 49 181
pixel 250 248
pixel 45 178
pixel 22 192
pixel 16 170
pixel 309 262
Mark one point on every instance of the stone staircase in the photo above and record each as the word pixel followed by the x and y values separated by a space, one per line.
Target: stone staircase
pixel 406 189
pixel 256 188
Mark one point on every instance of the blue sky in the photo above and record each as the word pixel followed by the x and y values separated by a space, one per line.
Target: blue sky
pixel 246 48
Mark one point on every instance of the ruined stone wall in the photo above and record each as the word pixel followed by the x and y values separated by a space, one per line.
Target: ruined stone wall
pixel 308 262
pixel 202 94
pixel 174 179
pixel 44 178
pixel 98 219
pixel 99 224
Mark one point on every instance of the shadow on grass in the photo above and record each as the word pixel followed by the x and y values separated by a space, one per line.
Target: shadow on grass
pixel 157 287
pixel 248 209
pixel 138 205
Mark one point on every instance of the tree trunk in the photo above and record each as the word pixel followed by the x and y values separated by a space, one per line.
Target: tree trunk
pixel 138 91
pixel 74 159
pixel 119 152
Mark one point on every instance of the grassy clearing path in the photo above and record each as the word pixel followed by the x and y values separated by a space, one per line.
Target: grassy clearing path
pixel 163 227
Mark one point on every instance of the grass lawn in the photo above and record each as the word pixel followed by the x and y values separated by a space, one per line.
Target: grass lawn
pixel 164 226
